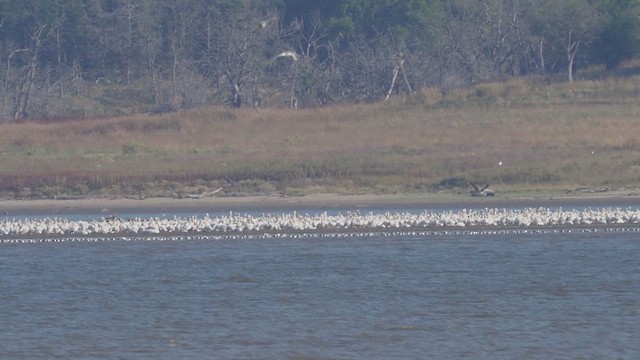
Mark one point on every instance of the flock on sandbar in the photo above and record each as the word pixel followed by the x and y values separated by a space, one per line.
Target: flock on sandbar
pixel 238 223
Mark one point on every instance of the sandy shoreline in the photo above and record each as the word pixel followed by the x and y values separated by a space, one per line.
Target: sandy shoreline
pixel 310 202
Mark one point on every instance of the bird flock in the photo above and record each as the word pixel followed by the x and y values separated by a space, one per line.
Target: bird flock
pixel 239 223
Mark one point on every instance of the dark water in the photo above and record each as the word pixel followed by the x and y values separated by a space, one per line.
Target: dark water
pixel 526 296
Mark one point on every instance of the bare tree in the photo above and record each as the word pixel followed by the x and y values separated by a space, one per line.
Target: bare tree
pixel 567 25
pixel 500 31
pixel 240 49
pixel 24 88
pixel 309 71
pixel 127 14
pixel 179 26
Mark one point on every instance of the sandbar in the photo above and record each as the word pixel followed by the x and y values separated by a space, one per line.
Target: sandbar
pixel 324 201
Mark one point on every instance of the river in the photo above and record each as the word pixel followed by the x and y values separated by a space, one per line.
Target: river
pixel 478 296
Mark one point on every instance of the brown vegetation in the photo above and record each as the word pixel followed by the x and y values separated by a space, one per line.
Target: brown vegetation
pixel 546 137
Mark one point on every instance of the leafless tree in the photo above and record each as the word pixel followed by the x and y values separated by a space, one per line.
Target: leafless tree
pixel 37 34
pixel 500 31
pixel 239 49
pixel 308 71
pixel 150 46
pixel 127 17
pixel 566 25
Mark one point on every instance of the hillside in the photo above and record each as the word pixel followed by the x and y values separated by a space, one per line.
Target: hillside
pixel 517 136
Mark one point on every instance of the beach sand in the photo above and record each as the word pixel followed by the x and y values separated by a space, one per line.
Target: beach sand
pixel 107 206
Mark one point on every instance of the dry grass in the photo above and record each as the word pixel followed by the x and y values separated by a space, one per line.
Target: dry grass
pixel 555 136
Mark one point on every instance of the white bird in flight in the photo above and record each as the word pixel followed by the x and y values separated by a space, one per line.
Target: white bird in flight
pixel 290 54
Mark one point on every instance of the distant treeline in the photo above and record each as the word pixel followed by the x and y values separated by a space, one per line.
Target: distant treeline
pixel 75 58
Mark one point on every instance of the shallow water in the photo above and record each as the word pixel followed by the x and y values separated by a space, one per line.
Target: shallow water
pixel 499 296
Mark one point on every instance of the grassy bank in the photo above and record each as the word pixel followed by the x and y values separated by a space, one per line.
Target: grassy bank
pixel 546 137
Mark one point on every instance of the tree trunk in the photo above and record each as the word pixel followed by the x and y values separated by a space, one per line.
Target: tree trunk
pixel 541 53
pixel 393 82
pixel 22 100
pixel 572 50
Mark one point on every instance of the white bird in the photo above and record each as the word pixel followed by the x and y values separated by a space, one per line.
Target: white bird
pixel 290 54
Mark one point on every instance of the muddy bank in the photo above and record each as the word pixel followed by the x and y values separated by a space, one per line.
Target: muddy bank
pixel 310 202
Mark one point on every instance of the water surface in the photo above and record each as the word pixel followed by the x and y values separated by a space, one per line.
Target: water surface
pixel 537 296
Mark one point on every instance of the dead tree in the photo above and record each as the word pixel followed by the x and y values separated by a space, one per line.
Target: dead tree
pixel 238 51
pixel 25 87
pixel 399 67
